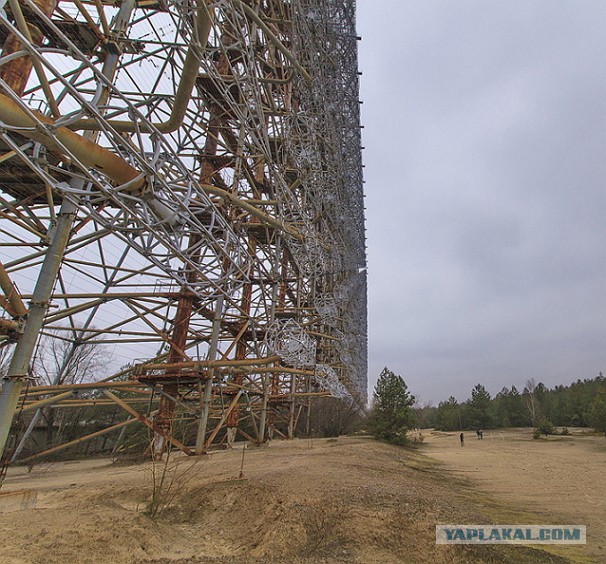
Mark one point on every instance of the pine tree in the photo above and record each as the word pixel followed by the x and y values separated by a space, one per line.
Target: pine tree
pixel 392 414
pixel 597 414
pixel 479 408
pixel 448 416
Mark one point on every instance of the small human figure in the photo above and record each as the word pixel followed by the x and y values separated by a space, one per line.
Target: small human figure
pixel 478 433
pixel 481 433
pixel 462 437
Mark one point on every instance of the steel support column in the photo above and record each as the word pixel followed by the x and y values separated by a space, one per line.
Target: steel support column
pixel 206 399
pixel 19 367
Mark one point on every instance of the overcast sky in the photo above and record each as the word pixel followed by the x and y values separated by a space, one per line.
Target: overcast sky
pixel 485 135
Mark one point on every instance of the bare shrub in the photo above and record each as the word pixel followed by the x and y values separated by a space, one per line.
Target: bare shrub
pixel 321 530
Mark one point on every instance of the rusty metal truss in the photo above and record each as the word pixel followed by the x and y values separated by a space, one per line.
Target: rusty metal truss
pixel 181 186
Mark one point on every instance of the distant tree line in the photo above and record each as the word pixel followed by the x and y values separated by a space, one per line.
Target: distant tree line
pixel 580 404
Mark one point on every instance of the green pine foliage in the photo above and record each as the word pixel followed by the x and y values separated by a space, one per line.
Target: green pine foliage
pixel 449 416
pixel 597 414
pixel 580 404
pixel 392 414
pixel 545 427
pixel 479 411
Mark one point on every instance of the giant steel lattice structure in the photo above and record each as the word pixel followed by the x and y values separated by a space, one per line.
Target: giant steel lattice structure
pixel 181 184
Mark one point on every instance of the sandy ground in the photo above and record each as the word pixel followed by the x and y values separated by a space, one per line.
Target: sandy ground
pixel 327 500
pixel 561 479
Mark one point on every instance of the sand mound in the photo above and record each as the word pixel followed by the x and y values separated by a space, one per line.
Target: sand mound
pixel 353 500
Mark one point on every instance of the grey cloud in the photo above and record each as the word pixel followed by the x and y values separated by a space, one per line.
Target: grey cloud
pixel 485 135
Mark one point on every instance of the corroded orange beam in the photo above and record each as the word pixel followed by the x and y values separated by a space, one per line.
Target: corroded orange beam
pixel 88 153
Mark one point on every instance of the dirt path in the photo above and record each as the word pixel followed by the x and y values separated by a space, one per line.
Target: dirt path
pixel 561 479
pixel 348 500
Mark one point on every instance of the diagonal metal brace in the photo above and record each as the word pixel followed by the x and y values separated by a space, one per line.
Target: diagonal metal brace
pixel 148 423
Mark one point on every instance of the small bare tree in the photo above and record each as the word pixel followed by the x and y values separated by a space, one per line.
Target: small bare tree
pixel 332 417
pixel 6 351
pixel 530 400
pixel 61 360
pixel 68 361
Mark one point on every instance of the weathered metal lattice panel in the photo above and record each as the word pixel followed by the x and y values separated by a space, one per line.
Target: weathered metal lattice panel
pixel 181 184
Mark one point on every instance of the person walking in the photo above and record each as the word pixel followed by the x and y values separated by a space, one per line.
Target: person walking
pixel 462 437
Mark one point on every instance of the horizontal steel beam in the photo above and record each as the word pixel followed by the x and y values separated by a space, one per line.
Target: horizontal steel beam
pixel 56 138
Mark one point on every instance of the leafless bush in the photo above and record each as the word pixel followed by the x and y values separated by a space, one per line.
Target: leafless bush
pixel 169 478
pixel 321 531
